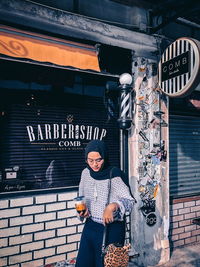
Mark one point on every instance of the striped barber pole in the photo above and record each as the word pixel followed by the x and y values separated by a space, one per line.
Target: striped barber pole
pixel 125 105
pixel 125 116
pixel 179 67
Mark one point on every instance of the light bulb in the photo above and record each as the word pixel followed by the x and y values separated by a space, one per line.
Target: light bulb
pixel 125 78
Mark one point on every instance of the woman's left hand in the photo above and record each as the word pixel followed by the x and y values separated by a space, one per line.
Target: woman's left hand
pixel 108 213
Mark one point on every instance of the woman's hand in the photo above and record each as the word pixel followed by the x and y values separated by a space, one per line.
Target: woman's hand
pixel 84 214
pixel 108 213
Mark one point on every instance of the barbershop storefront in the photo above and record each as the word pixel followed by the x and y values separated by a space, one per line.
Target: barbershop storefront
pixel 54 99
pixel 48 115
pixel 51 107
pixel 44 134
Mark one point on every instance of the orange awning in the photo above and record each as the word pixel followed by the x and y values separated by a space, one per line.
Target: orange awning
pixel 22 45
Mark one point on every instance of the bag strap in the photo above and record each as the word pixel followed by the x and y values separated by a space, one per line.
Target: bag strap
pixel 108 200
pixel 109 186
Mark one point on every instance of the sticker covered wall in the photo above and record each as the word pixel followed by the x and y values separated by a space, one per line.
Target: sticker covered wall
pixel 149 166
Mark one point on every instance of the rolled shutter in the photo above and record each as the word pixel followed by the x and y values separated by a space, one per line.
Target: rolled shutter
pixel 184 155
pixel 39 162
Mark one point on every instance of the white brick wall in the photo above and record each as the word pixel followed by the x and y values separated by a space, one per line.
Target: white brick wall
pixel 33 209
pixel 32 228
pixel 3 242
pixel 45 217
pixel 44 253
pixel 45 199
pixel 9 231
pixel 9 213
pixel 35 263
pixel 18 202
pixel 3 223
pixel 58 241
pixel 20 239
pixel 32 246
pixel 60 257
pixel 3 261
pixel 22 257
pixel 66 231
pixel 9 251
pixel 66 248
pixel 55 224
pixel 3 204
pixel 66 213
pixel 73 238
pixel 21 220
pixel 57 206
pixel 38 229
pixel 182 230
pixel 67 196
pixel 44 235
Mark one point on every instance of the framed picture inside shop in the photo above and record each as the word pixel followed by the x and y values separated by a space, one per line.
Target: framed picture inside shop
pixel 43 136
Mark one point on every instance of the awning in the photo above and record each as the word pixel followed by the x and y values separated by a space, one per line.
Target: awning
pixel 22 46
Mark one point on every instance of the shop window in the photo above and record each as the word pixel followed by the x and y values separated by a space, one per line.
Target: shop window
pixel 44 132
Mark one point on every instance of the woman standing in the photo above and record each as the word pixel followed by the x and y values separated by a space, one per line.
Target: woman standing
pixel 94 186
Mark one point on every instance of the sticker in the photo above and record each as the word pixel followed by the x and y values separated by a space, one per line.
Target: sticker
pixel 141 189
pixel 143 181
pixel 148 206
pixel 155 160
pixel 155 191
pixel 143 136
pixel 141 98
pixel 151 219
pixel 163 123
pixel 11 175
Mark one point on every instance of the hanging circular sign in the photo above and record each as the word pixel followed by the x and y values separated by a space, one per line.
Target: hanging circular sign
pixel 179 67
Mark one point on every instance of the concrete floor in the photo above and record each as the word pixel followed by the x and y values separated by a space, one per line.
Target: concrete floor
pixel 187 256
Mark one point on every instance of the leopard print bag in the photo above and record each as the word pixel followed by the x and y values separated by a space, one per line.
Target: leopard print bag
pixel 116 256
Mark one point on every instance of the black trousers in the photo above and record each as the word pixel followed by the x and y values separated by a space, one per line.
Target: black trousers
pixel 89 254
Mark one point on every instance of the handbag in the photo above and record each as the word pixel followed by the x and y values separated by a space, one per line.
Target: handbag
pixel 114 255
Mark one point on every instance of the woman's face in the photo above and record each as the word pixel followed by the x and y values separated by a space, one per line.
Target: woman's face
pixel 95 161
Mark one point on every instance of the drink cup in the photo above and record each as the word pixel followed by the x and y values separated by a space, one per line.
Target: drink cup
pixel 80 204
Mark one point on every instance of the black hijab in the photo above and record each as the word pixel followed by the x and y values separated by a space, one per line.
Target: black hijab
pixel 105 173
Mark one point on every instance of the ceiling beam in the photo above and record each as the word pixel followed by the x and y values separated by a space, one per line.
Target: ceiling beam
pixel 138 3
pixel 66 24
pixel 173 14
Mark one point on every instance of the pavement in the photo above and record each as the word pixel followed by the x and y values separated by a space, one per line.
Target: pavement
pixel 187 256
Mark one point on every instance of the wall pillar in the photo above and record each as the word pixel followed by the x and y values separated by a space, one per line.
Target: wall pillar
pixel 149 170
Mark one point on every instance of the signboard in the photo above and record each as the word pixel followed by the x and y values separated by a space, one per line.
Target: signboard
pixel 175 67
pixel 179 67
pixel 43 146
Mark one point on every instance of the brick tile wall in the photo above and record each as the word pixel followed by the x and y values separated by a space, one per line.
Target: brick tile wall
pixel 182 230
pixel 38 230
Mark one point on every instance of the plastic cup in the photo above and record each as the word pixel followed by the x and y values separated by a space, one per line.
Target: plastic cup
pixel 80 204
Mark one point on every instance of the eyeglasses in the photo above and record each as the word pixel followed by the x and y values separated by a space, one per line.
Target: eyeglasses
pixel 91 161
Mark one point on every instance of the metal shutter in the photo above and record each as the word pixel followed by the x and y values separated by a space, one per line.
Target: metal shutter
pixel 32 157
pixel 184 155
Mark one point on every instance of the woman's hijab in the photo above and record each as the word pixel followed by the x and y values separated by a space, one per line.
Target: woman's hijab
pixel 105 173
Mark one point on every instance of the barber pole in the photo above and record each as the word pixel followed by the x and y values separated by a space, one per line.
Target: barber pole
pixel 125 116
